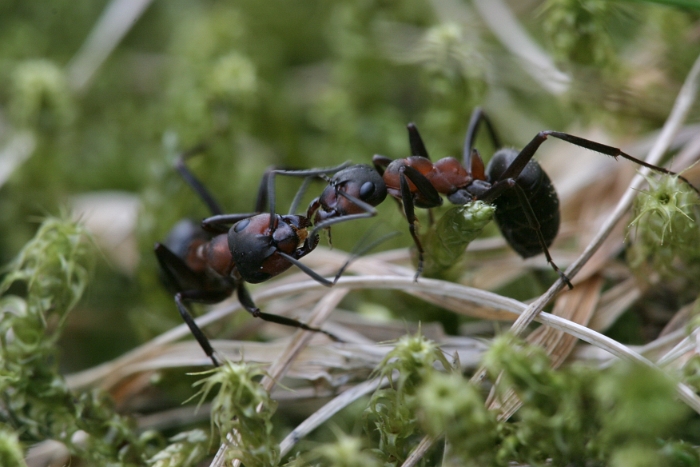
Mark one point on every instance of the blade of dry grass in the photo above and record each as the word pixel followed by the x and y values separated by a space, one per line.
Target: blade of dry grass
pixel 116 20
pixel 278 368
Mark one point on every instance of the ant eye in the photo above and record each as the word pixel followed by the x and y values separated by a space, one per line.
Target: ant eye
pixel 241 225
pixel 366 190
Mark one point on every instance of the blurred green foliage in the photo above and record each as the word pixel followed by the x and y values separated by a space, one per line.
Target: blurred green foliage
pixel 298 84
pixel 391 412
pixel 40 287
pixel 666 231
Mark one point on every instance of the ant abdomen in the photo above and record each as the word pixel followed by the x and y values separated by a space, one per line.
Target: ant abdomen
pixel 510 216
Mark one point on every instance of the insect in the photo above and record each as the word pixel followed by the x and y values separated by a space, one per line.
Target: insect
pixel 527 205
pixel 209 262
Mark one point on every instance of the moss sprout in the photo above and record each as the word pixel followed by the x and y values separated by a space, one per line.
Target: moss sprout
pixel 449 404
pixel 391 411
pixel 186 449
pixel 11 452
pixel 447 240
pixel 666 230
pixel 241 406
pixel 347 451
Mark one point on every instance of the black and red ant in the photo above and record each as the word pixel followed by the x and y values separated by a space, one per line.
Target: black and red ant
pixel 527 205
pixel 206 263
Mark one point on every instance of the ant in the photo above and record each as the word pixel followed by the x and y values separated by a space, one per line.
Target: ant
pixel 527 205
pixel 207 263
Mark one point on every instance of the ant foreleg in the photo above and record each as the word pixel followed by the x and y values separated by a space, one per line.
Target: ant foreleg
pixel 307 270
pixel 247 302
pixel 299 194
pixel 369 211
pixel 380 163
pixel 268 185
pixel 406 173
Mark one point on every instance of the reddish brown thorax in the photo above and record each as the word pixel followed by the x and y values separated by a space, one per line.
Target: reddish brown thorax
pixel 447 175
pixel 217 255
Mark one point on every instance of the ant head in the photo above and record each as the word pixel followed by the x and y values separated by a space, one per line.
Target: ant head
pixel 360 181
pixel 348 190
pixel 254 245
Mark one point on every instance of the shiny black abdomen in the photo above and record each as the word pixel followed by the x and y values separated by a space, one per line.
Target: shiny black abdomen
pixel 510 215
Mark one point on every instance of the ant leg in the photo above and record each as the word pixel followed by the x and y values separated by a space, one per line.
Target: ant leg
pixel 299 194
pixel 614 152
pixel 261 200
pixel 416 142
pixel 309 176
pixel 381 163
pixel 306 270
pixel 313 172
pixel 247 302
pixel 319 278
pixel 529 151
pixel 220 223
pixel 203 297
pixel 478 116
pixel 268 185
pixel 193 182
pixel 433 199
pixel 430 196
pixel 181 276
pixel 408 209
pixel 357 252
pixel 177 273
pixel 370 211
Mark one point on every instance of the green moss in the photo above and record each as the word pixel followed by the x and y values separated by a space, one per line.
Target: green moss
pixel 666 230
pixel 241 405
pixel 40 287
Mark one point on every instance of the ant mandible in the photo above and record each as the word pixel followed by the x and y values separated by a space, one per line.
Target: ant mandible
pixel 206 263
pixel 527 206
